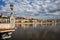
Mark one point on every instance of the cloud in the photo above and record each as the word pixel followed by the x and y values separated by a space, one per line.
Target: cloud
pixel 33 8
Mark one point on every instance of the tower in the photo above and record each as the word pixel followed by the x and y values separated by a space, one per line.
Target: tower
pixel 11 10
pixel 12 19
pixel 11 6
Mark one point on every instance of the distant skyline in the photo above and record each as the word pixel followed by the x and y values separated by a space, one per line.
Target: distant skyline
pixel 39 9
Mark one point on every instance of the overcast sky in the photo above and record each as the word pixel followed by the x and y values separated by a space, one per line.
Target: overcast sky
pixel 40 9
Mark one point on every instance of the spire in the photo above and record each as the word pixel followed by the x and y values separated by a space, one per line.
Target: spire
pixel 11 14
pixel 11 7
pixel 12 19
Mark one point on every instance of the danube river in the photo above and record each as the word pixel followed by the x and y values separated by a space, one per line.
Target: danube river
pixel 43 32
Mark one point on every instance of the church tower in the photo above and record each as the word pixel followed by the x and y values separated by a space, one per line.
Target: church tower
pixel 12 18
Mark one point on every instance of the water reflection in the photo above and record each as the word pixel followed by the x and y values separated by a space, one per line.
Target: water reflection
pixel 34 25
pixel 40 32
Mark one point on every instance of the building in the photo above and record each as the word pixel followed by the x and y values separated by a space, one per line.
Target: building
pixel 4 19
pixel 20 21
pixel 24 22
pixel 7 21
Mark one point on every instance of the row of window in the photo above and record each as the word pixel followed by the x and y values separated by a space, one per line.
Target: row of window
pixel 24 21
pixel 25 25
pixel 4 21
pixel 32 21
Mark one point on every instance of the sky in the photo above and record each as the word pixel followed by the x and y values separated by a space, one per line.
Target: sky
pixel 39 9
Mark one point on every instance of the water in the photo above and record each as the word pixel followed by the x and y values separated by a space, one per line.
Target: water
pixel 44 32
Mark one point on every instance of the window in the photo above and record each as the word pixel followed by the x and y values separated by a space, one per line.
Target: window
pixel 26 21
pixel 30 21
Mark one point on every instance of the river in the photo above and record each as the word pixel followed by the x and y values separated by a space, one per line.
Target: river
pixel 44 32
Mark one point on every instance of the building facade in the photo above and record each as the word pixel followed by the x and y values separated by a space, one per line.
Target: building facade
pixel 24 22
pixel 7 22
